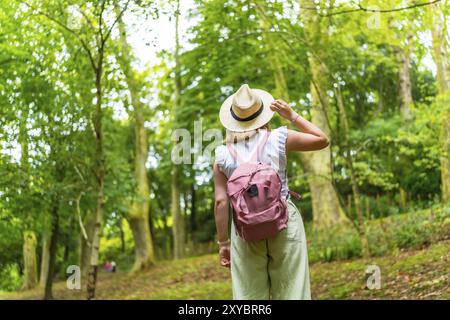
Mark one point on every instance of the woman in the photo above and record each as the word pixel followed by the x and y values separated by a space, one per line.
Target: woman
pixel 276 267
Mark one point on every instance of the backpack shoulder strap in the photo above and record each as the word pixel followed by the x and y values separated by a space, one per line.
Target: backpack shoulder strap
pixel 256 154
pixel 260 148
pixel 234 154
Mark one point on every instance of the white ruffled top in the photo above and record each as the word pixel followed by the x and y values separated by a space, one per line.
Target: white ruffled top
pixel 273 154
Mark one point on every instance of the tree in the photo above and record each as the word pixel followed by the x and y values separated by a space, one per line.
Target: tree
pixel 326 207
pixel 138 216
pixel 29 236
pixel 440 52
pixel 96 27
pixel 405 93
pixel 30 262
pixel 177 216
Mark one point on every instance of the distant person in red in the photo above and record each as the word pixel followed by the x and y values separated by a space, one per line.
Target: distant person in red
pixel 108 266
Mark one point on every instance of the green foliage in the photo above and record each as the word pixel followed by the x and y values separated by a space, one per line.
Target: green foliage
pixel 47 120
pixel 386 235
pixel 10 279
pixel 111 245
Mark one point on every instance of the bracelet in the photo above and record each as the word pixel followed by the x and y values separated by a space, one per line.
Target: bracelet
pixel 223 243
pixel 295 118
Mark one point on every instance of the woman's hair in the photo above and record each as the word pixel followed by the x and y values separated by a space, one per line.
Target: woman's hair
pixel 234 137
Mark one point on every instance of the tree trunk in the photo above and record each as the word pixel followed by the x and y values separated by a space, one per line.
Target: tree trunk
pixel 403 55
pixel 122 236
pixel 367 209
pixel 441 58
pixel 178 223
pixel 139 211
pixel 138 217
pixel 402 199
pixel 325 202
pixel 193 222
pixel 30 279
pixel 144 255
pixel 45 259
pixel 405 95
pixel 67 248
pixel 354 182
pixel 326 208
pixel 100 178
pixel 85 245
pixel 281 90
pixel 48 295
pixel 440 48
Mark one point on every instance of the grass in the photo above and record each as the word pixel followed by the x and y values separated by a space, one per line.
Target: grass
pixel 387 235
pixel 417 274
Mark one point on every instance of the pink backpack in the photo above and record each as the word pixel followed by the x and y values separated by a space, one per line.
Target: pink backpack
pixel 254 190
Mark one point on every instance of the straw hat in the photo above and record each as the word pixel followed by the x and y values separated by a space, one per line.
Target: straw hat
pixel 247 109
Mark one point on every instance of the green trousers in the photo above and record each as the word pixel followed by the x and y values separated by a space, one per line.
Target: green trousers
pixel 275 268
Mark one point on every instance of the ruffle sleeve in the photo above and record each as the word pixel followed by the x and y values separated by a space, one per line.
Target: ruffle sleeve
pixel 220 156
pixel 282 137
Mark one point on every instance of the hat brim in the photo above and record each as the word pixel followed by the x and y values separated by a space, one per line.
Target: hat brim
pixel 232 124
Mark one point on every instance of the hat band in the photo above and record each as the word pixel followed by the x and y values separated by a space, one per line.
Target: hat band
pixel 251 117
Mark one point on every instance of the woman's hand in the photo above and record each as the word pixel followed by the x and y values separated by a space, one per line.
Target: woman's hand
pixel 283 109
pixel 224 253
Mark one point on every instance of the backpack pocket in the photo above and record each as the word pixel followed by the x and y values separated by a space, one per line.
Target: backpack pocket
pixel 262 225
pixel 276 211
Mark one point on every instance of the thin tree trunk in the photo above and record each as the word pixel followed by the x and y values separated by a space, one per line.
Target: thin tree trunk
pixel 404 75
pixel 67 244
pixel 101 34
pixel 193 222
pixel 353 178
pixel 85 245
pixel 367 209
pixel 122 236
pixel 178 223
pixel 45 259
pixel 100 178
pixel 403 200
pixel 441 58
pixel 138 217
pixel 349 204
pixel 48 295
pixel 30 279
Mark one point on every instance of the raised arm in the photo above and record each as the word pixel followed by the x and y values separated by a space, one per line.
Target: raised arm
pixel 221 203
pixel 309 138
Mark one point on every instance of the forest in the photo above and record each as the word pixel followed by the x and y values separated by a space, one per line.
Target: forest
pixel 99 98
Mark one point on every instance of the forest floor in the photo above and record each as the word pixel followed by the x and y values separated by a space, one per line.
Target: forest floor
pixel 418 274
